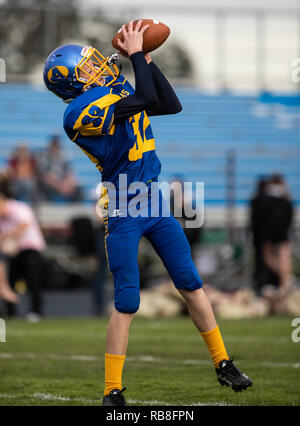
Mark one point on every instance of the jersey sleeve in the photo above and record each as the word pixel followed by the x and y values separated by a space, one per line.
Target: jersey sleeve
pixel 122 86
pixel 92 115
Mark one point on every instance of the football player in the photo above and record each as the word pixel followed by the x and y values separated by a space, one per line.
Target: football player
pixel 108 120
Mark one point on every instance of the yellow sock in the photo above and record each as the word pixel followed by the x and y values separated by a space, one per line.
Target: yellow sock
pixel 215 345
pixel 113 372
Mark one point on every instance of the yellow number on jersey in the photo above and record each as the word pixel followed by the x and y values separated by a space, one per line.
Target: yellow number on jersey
pixel 142 144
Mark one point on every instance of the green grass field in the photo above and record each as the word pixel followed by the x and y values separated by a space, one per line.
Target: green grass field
pixel 61 362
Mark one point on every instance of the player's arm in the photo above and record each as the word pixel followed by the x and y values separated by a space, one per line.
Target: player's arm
pixel 168 102
pixel 153 92
pixel 145 95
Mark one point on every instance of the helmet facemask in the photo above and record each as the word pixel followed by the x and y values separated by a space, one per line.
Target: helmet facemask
pixel 96 68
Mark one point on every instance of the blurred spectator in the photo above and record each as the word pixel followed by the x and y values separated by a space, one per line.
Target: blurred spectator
pixel 22 241
pixel 23 173
pixel 6 293
pixel 271 217
pixel 58 183
pixel 258 213
pixel 277 251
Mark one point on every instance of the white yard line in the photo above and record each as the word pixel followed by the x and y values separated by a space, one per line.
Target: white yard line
pixel 139 336
pixel 50 397
pixel 146 359
pixel 154 402
pixel 280 364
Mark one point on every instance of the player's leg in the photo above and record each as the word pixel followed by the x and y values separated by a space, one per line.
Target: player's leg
pixel 169 241
pixel 201 313
pixel 122 242
pixel 118 332
pixel 200 309
pixel 115 354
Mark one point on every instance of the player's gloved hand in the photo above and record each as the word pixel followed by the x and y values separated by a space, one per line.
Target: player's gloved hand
pixel 133 38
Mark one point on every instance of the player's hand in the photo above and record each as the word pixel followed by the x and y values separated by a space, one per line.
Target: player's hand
pixel 133 38
pixel 121 52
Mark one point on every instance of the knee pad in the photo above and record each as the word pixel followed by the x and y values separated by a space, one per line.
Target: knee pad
pixel 188 280
pixel 127 300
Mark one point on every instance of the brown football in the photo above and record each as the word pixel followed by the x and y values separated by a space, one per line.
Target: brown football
pixel 154 36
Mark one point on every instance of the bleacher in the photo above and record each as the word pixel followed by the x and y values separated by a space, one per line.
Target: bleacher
pixel 264 135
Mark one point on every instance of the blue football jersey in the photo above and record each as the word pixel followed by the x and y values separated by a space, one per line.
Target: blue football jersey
pixel 126 146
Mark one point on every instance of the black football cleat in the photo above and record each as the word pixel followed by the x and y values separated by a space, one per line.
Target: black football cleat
pixel 229 375
pixel 115 398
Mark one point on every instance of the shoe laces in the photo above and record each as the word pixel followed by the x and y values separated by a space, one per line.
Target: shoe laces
pixel 231 368
pixel 116 394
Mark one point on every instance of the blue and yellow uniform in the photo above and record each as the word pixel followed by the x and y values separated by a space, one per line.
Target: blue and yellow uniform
pixel 111 125
pixel 125 147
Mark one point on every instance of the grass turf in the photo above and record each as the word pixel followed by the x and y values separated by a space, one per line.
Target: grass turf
pixel 61 362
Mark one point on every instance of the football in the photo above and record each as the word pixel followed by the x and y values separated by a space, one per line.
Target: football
pixel 154 36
